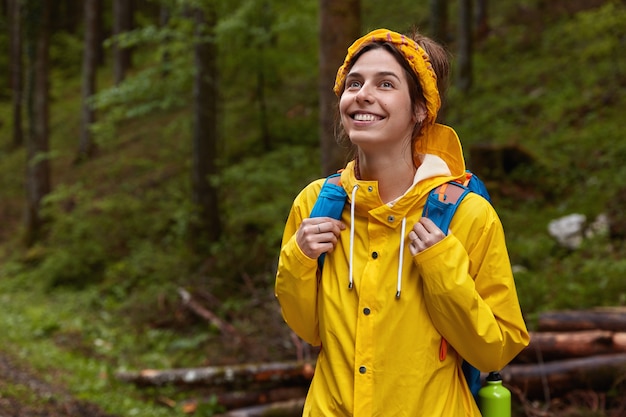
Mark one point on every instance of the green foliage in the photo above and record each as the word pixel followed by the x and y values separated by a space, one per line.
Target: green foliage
pixel 120 238
pixel 209 408
pixel 556 92
pixel 257 195
pixel 584 278
pixel 268 67
pixel 66 54
pixel 163 84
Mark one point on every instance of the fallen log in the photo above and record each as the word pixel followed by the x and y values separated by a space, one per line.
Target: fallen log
pixel 558 377
pixel 235 400
pixel 292 372
pixel 607 318
pixel 547 346
pixel 285 408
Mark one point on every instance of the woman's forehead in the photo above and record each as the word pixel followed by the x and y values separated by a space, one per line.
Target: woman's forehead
pixel 376 60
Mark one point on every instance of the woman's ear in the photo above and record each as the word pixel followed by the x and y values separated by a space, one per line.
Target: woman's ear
pixel 420 113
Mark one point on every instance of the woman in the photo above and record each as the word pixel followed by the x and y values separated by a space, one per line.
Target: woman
pixel 387 352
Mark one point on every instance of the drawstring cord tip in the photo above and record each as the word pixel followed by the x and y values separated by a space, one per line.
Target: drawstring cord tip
pixel 349 285
pixel 397 295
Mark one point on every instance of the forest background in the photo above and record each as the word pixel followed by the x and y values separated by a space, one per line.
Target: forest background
pixel 160 146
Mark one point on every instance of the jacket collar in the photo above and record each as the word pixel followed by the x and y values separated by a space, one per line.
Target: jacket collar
pixel 438 155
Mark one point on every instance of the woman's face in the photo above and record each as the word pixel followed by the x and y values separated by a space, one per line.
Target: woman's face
pixel 375 106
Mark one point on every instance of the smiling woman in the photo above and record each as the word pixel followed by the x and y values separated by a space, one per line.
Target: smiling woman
pixel 384 354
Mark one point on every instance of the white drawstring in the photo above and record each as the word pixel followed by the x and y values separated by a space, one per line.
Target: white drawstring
pixel 352 205
pixel 350 264
pixel 399 282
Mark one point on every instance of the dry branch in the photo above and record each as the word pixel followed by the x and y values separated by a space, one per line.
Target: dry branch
pixel 208 315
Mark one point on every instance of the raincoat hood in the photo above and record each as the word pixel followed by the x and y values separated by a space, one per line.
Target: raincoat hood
pixel 437 154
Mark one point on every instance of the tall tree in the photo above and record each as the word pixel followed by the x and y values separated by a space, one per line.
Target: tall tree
pixel 100 34
pixel 37 18
pixel 122 22
pixel 15 36
pixel 339 26
pixel 265 17
pixel 482 19
pixel 164 18
pixel 439 20
pixel 205 132
pixel 465 76
pixel 87 146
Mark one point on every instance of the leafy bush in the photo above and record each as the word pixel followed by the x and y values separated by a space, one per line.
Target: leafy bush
pixel 122 238
pixel 257 195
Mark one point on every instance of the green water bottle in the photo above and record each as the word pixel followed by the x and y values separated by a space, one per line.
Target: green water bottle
pixel 494 399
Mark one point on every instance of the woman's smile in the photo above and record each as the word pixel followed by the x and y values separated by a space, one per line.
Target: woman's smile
pixel 366 117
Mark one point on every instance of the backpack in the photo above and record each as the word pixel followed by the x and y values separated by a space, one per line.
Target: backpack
pixel 440 207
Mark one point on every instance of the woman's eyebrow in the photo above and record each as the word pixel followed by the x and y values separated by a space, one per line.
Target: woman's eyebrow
pixel 378 74
pixel 388 74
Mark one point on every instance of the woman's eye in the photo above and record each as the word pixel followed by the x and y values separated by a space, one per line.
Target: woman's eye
pixel 354 84
pixel 386 84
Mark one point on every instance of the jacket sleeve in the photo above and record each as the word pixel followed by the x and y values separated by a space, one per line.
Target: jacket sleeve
pixel 470 291
pixel 297 274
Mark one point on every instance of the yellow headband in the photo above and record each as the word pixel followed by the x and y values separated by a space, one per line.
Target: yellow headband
pixel 414 54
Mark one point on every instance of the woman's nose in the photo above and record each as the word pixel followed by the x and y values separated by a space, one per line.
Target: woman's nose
pixel 364 94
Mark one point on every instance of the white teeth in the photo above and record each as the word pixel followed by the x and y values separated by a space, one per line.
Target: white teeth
pixel 365 117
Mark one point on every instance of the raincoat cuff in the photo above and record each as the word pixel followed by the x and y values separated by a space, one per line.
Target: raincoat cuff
pixel 443 263
pixel 304 263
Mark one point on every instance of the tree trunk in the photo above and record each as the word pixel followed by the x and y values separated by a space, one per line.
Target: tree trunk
pixel 339 26
pixel 205 134
pixel 90 60
pixel 482 19
pixel 15 34
pixel 164 19
pixel 122 22
pixel 439 20
pixel 38 166
pixel 100 35
pixel 65 16
pixel 265 20
pixel 465 77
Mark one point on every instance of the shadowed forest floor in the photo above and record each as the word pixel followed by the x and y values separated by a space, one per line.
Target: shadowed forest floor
pixel 44 399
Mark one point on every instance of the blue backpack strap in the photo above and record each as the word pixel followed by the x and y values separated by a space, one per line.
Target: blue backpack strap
pixel 472 376
pixel 440 207
pixel 330 203
pixel 476 185
pixel 442 203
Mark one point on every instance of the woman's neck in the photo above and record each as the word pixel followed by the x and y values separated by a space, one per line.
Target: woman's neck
pixel 394 175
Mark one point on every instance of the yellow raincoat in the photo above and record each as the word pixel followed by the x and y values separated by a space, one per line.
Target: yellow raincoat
pixel 386 356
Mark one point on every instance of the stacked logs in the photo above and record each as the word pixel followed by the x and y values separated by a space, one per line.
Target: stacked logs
pixel 571 350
